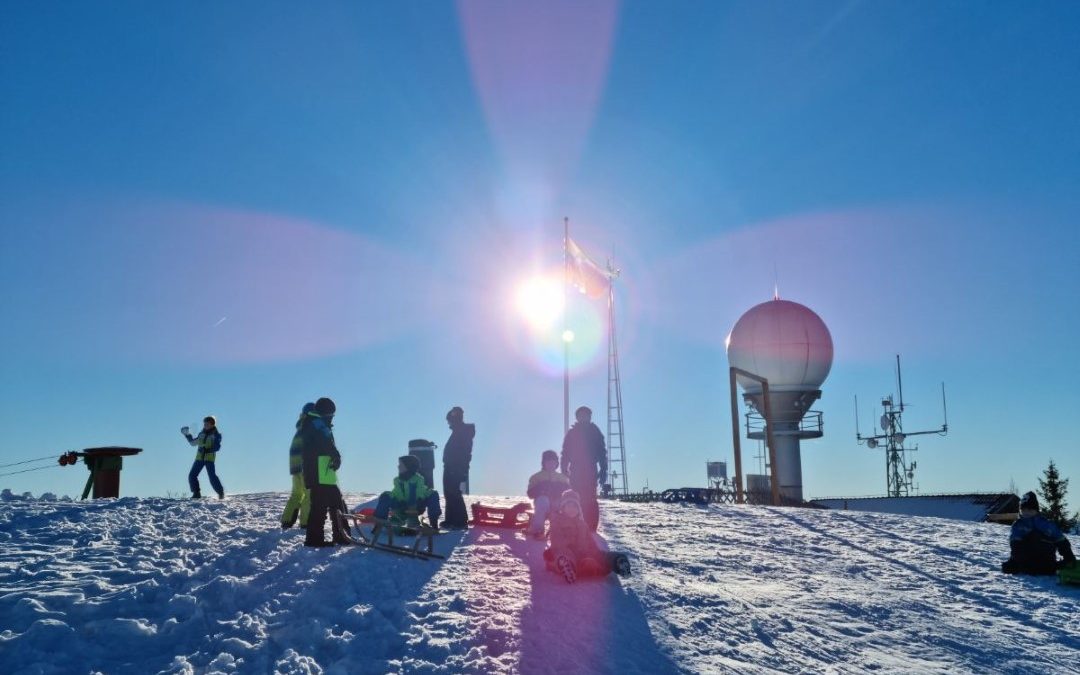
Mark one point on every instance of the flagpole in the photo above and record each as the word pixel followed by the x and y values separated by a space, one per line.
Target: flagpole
pixel 566 327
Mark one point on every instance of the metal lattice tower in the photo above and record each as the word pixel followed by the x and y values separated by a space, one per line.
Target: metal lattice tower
pixel 616 441
pixel 899 472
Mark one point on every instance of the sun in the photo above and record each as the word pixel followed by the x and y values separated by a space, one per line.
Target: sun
pixel 539 301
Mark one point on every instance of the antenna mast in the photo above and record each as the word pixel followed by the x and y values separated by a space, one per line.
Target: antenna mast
pixel 899 473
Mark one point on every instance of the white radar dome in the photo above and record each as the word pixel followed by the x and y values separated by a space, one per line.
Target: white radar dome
pixel 784 342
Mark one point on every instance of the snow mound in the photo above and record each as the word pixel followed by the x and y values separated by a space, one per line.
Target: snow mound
pixel 179 586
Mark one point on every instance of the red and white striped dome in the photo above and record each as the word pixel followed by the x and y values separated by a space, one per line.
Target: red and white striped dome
pixel 784 342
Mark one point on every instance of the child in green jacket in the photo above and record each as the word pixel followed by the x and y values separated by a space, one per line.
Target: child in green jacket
pixel 409 497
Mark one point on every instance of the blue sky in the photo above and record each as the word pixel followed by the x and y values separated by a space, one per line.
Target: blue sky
pixel 236 209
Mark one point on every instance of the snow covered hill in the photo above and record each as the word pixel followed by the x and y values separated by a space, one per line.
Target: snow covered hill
pixel 158 585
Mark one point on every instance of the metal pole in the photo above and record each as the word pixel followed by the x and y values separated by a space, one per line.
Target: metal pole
pixel 739 497
pixel 566 344
pixel 772 446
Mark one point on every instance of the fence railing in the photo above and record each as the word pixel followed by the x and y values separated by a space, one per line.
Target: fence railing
pixel 723 495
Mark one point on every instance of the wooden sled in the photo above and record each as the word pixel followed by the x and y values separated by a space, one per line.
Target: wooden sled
pixel 422 539
pixel 516 516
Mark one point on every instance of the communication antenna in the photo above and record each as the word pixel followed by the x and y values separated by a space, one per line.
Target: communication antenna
pixel 899 473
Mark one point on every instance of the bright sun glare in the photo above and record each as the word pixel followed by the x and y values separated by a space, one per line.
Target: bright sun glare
pixel 539 300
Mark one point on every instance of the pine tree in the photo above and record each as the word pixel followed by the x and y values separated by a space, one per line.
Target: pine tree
pixel 1052 490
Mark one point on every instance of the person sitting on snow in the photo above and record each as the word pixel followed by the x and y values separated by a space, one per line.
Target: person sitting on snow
pixel 573 550
pixel 409 497
pixel 545 488
pixel 1033 542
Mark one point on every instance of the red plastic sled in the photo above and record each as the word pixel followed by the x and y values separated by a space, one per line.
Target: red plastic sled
pixel 516 516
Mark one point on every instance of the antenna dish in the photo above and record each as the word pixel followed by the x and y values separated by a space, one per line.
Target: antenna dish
pixel 871 443
pixel 899 438
pixel 886 422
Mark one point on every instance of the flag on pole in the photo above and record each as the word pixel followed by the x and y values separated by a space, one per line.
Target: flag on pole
pixel 584 274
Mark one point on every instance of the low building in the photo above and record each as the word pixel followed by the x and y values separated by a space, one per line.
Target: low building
pixel 978 507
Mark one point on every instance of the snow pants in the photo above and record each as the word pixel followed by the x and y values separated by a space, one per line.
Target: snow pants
pixel 541 508
pixel 325 501
pixel 452 478
pixel 211 472
pixel 386 503
pixel 299 503
pixel 585 486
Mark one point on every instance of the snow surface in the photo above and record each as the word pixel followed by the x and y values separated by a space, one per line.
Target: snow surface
pixel 177 586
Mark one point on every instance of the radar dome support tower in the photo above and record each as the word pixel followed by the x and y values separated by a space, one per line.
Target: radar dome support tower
pixel 780 353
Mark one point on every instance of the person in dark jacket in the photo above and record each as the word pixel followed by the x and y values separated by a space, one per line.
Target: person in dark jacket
pixel 299 503
pixel 321 460
pixel 409 497
pixel 457 454
pixel 574 551
pixel 208 443
pixel 546 487
pixel 1035 541
pixel 584 459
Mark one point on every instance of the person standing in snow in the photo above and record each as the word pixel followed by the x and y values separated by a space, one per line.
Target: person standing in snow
pixel 320 461
pixel 1034 542
pixel 457 454
pixel 299 503
pixel 573 551
pixel 584 459
pixel 409 497
pixel 208 443
pixel 545 489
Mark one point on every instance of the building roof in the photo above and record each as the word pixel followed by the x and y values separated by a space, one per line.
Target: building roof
pixel 970 507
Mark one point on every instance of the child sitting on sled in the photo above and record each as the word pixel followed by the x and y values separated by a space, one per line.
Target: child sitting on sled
pixel 410 497
pixel 545 489
pixel 573 551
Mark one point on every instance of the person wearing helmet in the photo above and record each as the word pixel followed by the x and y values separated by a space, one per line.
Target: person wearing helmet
pixel 584 459
pixel 457 454
pixel 208 443
pixel 299 503
pixel 320 461
pixel 546 486
pixel 1034 542
pixel 409 497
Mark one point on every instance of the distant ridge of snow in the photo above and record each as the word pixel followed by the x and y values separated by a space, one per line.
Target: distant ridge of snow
pixel 180 586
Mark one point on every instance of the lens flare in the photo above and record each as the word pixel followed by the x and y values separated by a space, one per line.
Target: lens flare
pixel 540 302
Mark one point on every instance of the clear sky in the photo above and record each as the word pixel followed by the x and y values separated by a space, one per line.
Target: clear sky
pixel 236 208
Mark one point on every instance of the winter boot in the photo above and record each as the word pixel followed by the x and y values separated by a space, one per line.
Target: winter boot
pixel 1069 574
pixel 621 564
pixel 566 568
pixel 286 524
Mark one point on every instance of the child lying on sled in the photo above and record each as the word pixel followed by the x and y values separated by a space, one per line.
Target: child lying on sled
pixel 573 551
pixel 409 498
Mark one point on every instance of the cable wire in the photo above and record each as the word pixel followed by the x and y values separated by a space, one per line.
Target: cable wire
pixel 39 468
pixel 28 461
